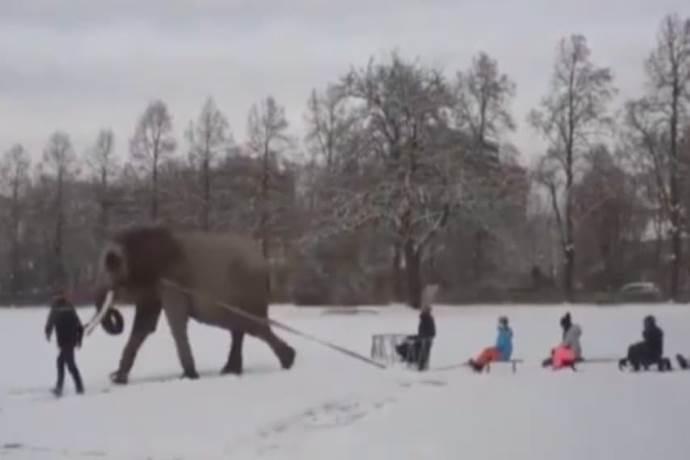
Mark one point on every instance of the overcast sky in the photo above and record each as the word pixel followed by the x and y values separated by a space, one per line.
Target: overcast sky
pixel 79 65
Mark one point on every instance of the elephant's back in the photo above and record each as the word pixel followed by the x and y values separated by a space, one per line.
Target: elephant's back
pixel 224 267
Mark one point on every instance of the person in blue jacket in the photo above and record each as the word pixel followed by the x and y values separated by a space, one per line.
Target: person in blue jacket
pixel 501 351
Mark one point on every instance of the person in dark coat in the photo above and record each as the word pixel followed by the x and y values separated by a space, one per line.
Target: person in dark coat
pixel 417 348
pixel 64 320
pixel 649 351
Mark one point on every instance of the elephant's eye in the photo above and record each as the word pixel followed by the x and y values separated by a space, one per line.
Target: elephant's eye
pixel 113 262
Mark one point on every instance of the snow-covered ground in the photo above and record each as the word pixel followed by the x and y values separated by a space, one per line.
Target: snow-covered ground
pixel 332 407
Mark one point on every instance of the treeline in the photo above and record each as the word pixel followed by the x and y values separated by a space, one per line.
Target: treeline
pixel 403 178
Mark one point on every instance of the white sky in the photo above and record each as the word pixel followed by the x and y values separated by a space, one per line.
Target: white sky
pixel 79 65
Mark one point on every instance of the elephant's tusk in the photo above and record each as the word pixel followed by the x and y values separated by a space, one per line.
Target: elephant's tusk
pixel 107 305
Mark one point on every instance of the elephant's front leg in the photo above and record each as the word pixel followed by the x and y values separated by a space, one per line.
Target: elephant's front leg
pixel 145 321
pixel 177 307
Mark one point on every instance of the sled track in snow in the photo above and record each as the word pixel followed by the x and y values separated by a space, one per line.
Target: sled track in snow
pixel 332 414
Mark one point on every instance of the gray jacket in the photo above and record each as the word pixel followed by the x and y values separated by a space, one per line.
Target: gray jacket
pixel 572 340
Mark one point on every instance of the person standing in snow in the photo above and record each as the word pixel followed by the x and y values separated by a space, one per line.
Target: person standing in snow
pixel 569 351
pixel 649 351
pixel 418 347
pixel 64 320
pixel 501 351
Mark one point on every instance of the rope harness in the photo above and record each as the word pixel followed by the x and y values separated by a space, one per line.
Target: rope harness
pixel 277 324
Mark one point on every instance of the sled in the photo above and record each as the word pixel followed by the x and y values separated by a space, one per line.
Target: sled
pixel 513 364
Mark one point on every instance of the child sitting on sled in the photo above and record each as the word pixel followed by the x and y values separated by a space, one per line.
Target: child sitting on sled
pixel 69 331
pixel 501 351
pixel 569 351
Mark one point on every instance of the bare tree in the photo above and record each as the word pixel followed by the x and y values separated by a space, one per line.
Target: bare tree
pixel 482 110
pixel 644 139
pixel 483 96
pixel 14 172
pixel 209 138
pixel 321 119
pixel 607 217
pixel 267 139
pixel 104 165
pixel 333 133
pixel 59 167
pixel 570 118
pixel 659 119
pixel 152 142
pixel 330 126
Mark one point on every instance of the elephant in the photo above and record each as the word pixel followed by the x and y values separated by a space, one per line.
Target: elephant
pixel 195 275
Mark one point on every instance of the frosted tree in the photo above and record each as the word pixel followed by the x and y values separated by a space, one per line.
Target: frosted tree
pixel 571 118
pixel 401 176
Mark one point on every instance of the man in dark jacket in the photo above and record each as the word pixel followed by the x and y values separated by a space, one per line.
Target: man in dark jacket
pixel 417 348
pixel 649 351
pixel 69 331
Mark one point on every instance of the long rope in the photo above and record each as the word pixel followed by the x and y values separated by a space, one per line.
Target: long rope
pixel 278 324
pixel 598 360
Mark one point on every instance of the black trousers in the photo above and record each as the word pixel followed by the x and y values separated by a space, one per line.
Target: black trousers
pixel 639 354
pixel 66 358
pixel 416 350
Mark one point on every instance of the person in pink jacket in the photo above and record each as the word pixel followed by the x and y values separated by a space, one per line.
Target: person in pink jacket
pixel 569 351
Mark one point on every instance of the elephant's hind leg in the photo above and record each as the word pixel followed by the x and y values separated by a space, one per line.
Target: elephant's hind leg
pixel 234 363
pixel 284 352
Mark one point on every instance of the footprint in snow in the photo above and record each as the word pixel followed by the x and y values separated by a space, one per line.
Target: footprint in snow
pixel 17 446
pixel 332 414
pixel 430 382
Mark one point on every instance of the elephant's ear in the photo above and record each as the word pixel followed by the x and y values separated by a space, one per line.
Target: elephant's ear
pixel 113 264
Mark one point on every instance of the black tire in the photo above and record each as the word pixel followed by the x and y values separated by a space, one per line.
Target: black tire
pixel 113 323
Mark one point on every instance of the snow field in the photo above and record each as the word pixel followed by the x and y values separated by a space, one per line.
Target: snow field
pixel 330 406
